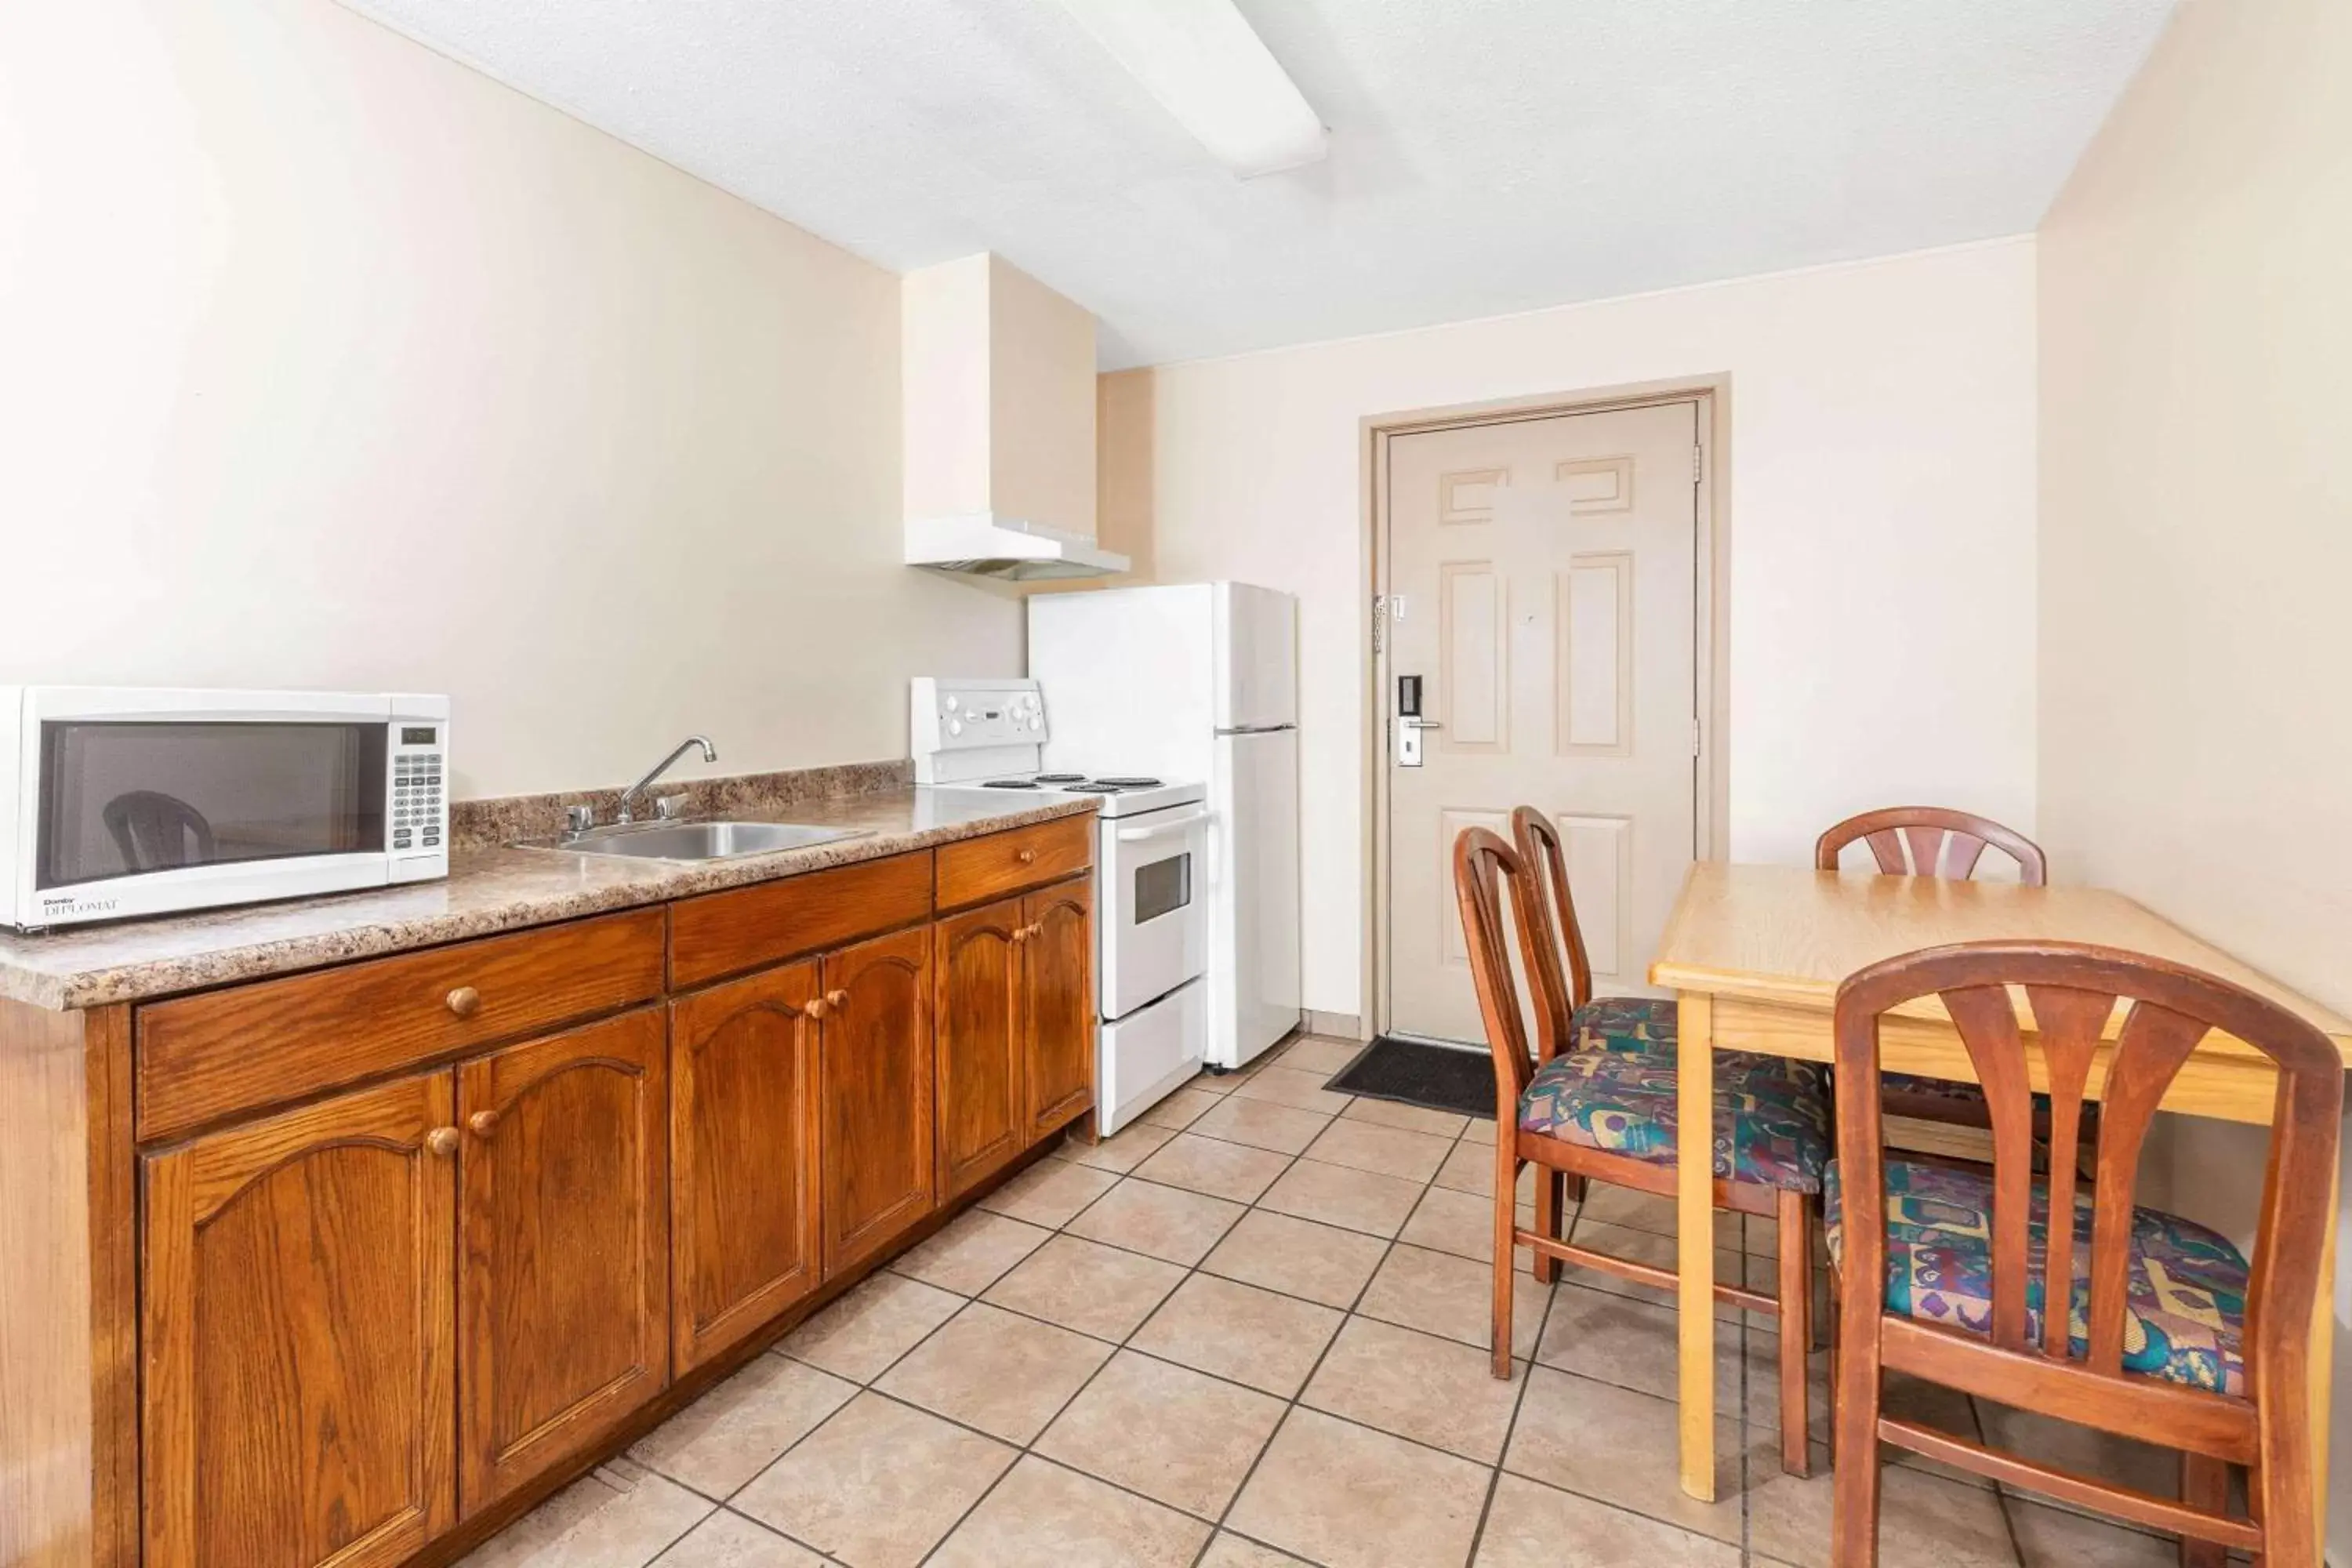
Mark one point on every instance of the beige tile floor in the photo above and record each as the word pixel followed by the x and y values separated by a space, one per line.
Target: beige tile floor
pixel 1249 1332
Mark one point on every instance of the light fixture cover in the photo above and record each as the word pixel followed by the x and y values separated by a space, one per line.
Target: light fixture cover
pixel 1208 68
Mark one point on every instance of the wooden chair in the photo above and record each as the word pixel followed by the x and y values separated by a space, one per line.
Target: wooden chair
pixel 1941 843
pixel 1592 1023
pixel 2170 1336
pixel 1608 1115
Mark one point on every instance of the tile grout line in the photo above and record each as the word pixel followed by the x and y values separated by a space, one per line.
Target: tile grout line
pixel 1526 1381
pixel 1028 1449
pixel 1352 1310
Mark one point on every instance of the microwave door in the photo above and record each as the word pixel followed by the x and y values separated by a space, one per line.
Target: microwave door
pixel 127 798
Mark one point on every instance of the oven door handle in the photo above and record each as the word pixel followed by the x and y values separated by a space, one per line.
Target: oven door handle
pixel 1137 835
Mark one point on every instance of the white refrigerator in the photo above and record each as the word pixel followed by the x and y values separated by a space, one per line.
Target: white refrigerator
pixel 1197 682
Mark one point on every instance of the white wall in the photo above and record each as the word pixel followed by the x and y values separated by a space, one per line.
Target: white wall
pixel 2196 533
pixel 1882 516
pixel 327 361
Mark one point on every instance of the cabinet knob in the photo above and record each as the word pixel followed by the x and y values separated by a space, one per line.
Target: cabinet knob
pixel 1035 931
pixel 442 1141
pixel 482 1122
pixel 1020 933
pixel 815 1008
pixel 1026 856
pixel 465 1001
pixel 836 1000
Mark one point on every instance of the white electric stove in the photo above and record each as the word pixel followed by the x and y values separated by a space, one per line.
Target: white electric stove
pixel 982 738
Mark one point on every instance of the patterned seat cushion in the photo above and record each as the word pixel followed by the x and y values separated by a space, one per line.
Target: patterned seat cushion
pixel 2185 1298
pixel 1623 1024
pixel 1771 1117
pixel 1960 1093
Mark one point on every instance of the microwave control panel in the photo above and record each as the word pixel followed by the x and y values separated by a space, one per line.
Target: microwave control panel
pixel 420 811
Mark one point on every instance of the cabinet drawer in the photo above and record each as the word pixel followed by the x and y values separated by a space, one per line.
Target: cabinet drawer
pixel 204 1057
pixel 981 868
pixel 726 933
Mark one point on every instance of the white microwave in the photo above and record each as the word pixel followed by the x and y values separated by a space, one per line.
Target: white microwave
pixel 120 801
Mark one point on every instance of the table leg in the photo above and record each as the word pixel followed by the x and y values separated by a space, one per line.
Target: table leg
pixel 2317 1371
pixel 1694 1237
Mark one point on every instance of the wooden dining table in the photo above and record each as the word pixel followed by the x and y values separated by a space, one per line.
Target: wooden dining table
pixel 1754 956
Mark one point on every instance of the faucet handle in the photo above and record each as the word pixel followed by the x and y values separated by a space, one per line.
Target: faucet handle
pixel 579 818
pixel 667 808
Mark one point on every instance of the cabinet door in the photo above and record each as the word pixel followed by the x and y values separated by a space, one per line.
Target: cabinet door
pixel 299 1398
pixel 1059 1036
pixel 743 1167
pixel 875 1056
pixel 563 1282
pixel 984 1115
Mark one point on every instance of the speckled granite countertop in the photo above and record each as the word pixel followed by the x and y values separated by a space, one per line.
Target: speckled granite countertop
pixel 490 889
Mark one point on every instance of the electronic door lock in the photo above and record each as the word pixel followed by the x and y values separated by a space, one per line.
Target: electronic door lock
pixel 1409 723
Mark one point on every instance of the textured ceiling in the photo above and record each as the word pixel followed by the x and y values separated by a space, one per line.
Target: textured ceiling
pixel 1486 155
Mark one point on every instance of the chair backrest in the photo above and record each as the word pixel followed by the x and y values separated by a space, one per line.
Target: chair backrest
pixel 1482 866
pixel 2072 991
pixel 155 831
pixel 1941 843
pixel 1558 996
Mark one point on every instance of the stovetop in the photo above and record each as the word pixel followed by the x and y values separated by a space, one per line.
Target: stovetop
pixel 1115 795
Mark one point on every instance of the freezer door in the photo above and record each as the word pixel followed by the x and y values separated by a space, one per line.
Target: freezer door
pixel 1253 980
pixel 1127 676
pixel 1257 644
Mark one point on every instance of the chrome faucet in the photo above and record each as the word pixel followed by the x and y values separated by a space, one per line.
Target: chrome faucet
pixel 709 754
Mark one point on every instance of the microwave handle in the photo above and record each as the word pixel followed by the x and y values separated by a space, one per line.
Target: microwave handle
pixel 1137 835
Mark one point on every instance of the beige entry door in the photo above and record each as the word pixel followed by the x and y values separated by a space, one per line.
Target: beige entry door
pixel 1543 582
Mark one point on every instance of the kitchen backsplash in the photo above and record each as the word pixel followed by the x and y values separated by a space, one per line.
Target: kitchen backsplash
pixel 481 824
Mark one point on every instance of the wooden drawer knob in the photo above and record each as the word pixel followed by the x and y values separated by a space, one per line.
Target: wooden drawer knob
pixel 1021 933
pixel 442 1141
pixel 836 1000
pixel 1026 856
pixel 465 1001
pixel 482 1122
pixel 817 1007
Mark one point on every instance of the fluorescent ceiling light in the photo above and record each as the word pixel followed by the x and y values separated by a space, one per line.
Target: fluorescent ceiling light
pixel 1209 69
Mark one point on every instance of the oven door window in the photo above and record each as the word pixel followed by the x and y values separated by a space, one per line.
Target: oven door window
pixel 119 799
pixel 1162 887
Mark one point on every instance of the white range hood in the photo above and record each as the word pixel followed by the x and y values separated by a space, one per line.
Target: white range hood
pixel 998 399
pixel 1007 549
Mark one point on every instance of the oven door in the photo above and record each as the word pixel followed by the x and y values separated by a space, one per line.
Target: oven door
pixel 1153 918
pixel 146 802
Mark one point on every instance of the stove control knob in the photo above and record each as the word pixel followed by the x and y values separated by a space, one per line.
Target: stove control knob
pixel 955 726
pixel 953 704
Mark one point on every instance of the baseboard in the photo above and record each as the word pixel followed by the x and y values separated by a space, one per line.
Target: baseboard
pixel 1345 1026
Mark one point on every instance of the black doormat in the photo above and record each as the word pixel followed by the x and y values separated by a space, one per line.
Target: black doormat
pixel 1410 1072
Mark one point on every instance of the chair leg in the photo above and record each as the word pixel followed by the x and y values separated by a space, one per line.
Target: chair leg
pixel 1551 1208
pixel 2204 1483
pixel 2281 1486
pixel 1854 1419
pixel 1506 1182
pixel 1796 1334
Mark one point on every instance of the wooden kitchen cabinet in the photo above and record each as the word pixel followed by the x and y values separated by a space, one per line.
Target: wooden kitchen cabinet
pixel 744 1243
pixel 375 1253
pixel 983 1104
pixel 874 1095
pixel 1058 1004
pixel 299 1397
pixel 563 1279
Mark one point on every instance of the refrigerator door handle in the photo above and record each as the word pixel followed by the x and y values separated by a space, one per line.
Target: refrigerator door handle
pixel 1258 730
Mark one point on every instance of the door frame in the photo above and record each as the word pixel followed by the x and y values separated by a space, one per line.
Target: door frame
pixel 1710 625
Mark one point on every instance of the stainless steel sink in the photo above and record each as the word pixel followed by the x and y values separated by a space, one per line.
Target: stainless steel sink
pixel 699 840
